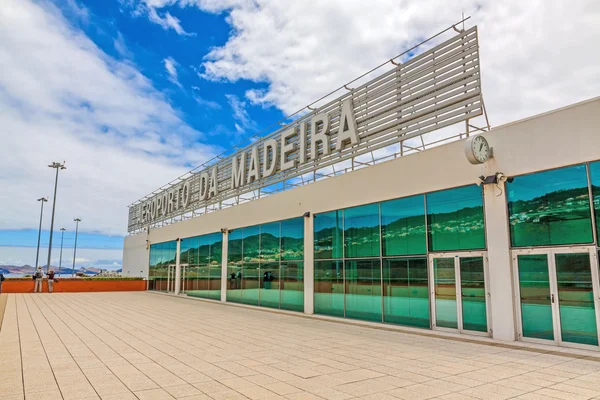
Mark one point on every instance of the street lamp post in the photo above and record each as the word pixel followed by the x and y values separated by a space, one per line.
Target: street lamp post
pixel 62 236
pixel 58 167
pixel 77 221
pixel 37 254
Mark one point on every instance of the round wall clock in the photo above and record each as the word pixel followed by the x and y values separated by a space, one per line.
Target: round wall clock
pixel 477 149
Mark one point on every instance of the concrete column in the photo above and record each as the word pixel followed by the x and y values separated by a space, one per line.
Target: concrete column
pixel 224 274
pixel 178 268
pixel 309 265
pixel 499 263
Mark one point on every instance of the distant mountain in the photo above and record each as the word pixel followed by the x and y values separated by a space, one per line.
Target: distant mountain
pixel 28 270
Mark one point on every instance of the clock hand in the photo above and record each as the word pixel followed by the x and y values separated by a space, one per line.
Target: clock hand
pixel 480 146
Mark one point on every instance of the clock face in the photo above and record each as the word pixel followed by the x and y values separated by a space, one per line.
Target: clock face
pixel 480 149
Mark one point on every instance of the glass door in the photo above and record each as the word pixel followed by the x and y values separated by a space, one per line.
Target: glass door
pixel 458 283
pixel 171 279
pixel 184 285
pixel 558 295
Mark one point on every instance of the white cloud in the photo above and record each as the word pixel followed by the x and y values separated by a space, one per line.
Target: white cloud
pixel 62 98
pixel 535 55
pixel 240 114
pixel 171 67
pixel 121 46
pixel 203 102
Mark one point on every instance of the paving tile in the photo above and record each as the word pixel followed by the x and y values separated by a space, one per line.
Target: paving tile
pixel 117 349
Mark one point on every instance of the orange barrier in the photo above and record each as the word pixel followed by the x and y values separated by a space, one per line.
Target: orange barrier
pixel 75 285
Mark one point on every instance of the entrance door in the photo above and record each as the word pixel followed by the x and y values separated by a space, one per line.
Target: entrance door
pixel 458 283
pixel 558 295
pixel 184 285
pixel 171 279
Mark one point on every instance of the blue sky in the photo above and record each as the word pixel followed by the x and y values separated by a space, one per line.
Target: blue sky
pixel 133 93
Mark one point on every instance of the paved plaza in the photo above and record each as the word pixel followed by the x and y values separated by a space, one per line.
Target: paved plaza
pixel 150 346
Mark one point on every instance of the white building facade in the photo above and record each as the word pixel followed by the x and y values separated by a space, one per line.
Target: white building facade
pixel 507 248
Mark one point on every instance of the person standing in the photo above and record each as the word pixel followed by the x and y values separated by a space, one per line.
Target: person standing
pixel 39 277
pixel 1 280
pixel 50 280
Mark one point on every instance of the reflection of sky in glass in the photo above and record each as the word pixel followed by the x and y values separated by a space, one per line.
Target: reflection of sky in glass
pixel 293 228
pixel 272 228
pixel 361 217
pixel 394 210
pixel 327 220
pixel 451 200
pixel 251 231
pixel 528 187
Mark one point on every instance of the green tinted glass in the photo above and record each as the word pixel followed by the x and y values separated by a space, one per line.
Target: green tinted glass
pixel 251 243
pixel 234 283
pixel 576 298
pixel 292 239
pixel 269 241
pixel 250 283
pixel 444 277
pixel 292 285
pixel 403 230
pixel 204 243
pixel 361 231
pixel 406 292
pixel 184 250
pixel 214 290
pixel 329 288
pixel 269 285
pixel 550 208
pixel 328 235
pixel 473 294
pixel 200 278
pixel 363 289
pixel 455 219
pixel 534 288
pixel 234 245
pixel 216 248
pixel 595 178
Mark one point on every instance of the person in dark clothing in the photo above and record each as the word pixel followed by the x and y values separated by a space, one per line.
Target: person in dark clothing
pixel 1 280
pixel 38 277
pixel 50 275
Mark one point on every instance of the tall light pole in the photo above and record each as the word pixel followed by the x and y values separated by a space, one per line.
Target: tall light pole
pixel 37 254
pixel 77 221
pixel 62 236
pixel 58 167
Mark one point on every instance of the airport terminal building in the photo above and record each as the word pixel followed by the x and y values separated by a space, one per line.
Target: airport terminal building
pixel 489 232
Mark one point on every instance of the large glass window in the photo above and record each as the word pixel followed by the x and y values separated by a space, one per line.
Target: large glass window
pixel 455 219
pixel 261 267
pixel 162 255
pixel 234 265
pixel 362 231
pixel 329 288
pixel 403 228
pixel 201 270
pixel 406 292
pixel 328 235
pixel 550 208
pixel 363 289
pixel 595 181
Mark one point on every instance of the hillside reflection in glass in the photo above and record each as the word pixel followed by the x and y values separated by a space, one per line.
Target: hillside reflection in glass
pixel 371 260
pixel 595 180
pixel 265 265
pixel 550 208
pixel 455 219
pixel 162 255
pixel 200 259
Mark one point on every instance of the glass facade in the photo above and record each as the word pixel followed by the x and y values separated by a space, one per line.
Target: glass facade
pixel 455 219
pixel 381 272
pixel 550 208
pixel 161 269
pixel 265 265
pixel 200 259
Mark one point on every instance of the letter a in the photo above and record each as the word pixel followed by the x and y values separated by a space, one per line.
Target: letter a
pixel 347 129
